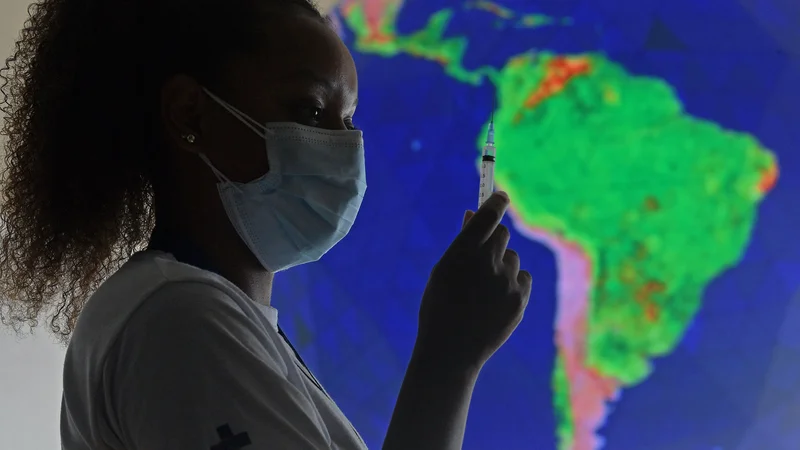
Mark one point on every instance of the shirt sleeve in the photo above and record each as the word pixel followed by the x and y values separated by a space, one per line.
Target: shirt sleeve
pixel 189 372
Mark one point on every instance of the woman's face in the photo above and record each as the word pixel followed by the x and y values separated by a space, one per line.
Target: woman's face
pixel 303 73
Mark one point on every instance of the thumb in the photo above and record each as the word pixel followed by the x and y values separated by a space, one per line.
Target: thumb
pixel 467 215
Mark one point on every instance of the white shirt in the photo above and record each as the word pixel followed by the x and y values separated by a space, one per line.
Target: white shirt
pixel 167 356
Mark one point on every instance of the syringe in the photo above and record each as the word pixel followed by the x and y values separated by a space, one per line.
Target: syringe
pixel 487 166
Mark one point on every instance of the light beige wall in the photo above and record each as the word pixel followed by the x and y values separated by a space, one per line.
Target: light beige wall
pixel 30 369
pixel 327 5
pixel 12 16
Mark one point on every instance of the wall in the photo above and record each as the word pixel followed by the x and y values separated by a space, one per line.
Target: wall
pixel 30 367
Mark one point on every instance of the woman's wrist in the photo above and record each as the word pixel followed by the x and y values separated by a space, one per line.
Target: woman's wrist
pixel 446 365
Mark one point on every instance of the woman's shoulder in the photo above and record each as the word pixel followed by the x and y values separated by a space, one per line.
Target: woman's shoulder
pixel 144 275
pixel 152 284
pixel 158 318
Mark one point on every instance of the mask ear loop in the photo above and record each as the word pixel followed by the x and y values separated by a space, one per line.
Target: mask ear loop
pixel 221 176
pixel 248 121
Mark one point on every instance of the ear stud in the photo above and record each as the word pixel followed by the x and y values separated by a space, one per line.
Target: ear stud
pixel 190 138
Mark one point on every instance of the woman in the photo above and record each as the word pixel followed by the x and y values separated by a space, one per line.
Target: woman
pixel 218 133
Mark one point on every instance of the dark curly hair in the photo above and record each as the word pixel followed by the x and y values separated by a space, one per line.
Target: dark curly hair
pixel 81 98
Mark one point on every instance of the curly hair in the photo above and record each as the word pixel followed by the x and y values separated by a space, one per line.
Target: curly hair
pixel 80 95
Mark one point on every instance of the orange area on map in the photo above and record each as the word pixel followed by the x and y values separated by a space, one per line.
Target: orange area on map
pixel 494 8
pixel 558 73
pixel 768 179
pixel 377 13
pixel 644 297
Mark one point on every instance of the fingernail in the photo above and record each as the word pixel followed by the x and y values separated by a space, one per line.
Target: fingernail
pixel 504 195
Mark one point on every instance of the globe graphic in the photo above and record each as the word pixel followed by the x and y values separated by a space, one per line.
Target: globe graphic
pixel 650 156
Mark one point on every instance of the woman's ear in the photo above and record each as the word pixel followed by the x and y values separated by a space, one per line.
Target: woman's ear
pixel 183 104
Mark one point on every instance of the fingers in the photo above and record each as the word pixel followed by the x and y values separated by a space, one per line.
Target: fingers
pixel 511 263
pixel 481 226
pixel 497 243
pixel 467 215
pixel 525 282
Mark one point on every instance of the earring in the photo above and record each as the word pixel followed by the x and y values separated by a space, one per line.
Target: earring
pixel 190 138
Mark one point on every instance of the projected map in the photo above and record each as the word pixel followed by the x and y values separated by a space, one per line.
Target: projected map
pixel 647 163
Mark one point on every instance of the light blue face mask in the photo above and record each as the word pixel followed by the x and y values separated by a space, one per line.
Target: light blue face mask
pixel 308 200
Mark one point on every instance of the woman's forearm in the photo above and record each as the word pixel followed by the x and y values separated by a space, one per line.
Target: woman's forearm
pixel 431 410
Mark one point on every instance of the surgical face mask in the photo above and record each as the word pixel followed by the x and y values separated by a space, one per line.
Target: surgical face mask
pixel 308 200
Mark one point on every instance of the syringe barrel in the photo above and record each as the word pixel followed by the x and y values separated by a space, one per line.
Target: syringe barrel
pixel 487 179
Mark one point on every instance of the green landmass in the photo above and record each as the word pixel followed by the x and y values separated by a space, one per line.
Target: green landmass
pixel 563 412
pixel 666 201
pixel 428 43
pixel 660 202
